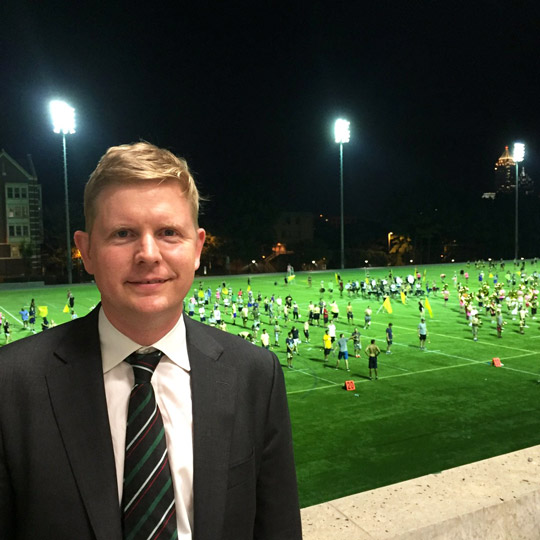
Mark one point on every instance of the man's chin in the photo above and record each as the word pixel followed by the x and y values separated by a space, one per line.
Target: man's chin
pixel 155 306
pixel 150 310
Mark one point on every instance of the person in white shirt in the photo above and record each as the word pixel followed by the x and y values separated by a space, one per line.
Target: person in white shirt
pixel 65 392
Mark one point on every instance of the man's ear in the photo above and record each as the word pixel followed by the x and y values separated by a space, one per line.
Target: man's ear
pixel 199 243
pixel 82 241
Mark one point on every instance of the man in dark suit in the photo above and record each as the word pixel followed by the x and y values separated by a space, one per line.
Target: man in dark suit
pixel 65 393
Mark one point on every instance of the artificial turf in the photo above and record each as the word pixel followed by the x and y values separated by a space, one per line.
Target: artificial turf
pixel 430 410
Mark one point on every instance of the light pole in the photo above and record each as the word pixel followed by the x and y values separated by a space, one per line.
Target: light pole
pixel 343 135
pixel 519 154
pixel 63 119
pixel 390 234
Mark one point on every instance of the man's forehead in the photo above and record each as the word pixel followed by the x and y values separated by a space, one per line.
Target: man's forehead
pixel 142 186
pixel 106 204
pixel 161 189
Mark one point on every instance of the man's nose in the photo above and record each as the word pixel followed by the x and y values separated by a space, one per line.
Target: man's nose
pixel 149 251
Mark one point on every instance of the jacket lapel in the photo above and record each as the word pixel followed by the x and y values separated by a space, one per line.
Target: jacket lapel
pixel 213 387
pixel 77 395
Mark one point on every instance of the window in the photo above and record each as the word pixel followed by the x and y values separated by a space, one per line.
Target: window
pixel 11 230
pixel 10 193
pixel 16 193
pixel 18 211
pixel 25 230
pixel 23 193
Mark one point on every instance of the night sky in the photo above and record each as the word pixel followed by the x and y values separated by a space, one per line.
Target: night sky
pixel 248 92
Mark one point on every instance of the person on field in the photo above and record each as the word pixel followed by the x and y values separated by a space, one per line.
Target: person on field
pixel 389 338
pixel 327 345
pixel 342 351
pixel 422 334
pixel 372 352
pixel 367 317
pixel 357 343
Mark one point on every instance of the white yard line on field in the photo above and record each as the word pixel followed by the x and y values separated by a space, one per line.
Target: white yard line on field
pixel 15 318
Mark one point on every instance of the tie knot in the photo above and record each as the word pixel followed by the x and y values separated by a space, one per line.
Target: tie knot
pixel 144 365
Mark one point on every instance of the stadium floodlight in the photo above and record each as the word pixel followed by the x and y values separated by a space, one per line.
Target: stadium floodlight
pixel 63 119
pixel 342 135
pixel 342 131
pixel 519 152
pixel 519 156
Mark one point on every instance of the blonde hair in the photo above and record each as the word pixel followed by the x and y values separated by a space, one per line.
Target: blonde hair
pixel 138 162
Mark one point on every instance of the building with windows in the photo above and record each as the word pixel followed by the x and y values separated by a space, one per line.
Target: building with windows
pixel 21 222
pixel 294 227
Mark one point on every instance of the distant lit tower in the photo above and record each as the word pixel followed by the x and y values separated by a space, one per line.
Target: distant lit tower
pixel 505 173
pixel 505 176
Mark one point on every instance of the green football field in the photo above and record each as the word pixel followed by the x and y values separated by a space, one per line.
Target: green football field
pixel 430 410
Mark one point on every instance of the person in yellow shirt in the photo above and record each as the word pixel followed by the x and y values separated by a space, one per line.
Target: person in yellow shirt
pixel 327 344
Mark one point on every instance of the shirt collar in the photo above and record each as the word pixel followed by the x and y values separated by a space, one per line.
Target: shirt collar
pixel 116 347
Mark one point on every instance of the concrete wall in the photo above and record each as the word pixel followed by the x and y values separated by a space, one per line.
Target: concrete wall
pixel 495 499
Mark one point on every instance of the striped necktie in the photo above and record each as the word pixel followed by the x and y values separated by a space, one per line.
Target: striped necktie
pixel 148 497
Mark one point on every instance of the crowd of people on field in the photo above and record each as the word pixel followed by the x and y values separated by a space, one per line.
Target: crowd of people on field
pixel 30 314
pixel 503 291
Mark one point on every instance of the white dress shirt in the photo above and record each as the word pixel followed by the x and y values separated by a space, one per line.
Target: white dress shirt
pixel 171 382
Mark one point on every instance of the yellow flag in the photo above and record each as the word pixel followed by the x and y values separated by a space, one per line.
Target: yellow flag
pixel 66 309
pixel 387 305
pixel 403 297
pixel 290 278
pixel 335 275
pixel 424 278
pixel 428 307
pixel 43 311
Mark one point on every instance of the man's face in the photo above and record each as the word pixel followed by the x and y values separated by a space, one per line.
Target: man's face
pixel 143 252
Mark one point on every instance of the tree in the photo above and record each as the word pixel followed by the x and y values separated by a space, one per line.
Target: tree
pixel 400 246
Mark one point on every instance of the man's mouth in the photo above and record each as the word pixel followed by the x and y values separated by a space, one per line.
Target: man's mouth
pixel 148 281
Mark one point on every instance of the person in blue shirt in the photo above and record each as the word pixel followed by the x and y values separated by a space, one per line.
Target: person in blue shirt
pixel 24 316
pixel 389 338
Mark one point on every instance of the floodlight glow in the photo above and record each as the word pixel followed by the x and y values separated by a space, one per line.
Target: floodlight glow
pixel 341 131
pixel 519 152
pixel 63 117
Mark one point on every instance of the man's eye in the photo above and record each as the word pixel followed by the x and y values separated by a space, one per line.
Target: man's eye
pixel 169 232
pixel 122 234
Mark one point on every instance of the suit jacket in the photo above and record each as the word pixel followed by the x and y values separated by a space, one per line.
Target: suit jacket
pixel 57 470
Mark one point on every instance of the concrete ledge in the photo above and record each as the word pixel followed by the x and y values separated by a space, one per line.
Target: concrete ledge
pixel 497 498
